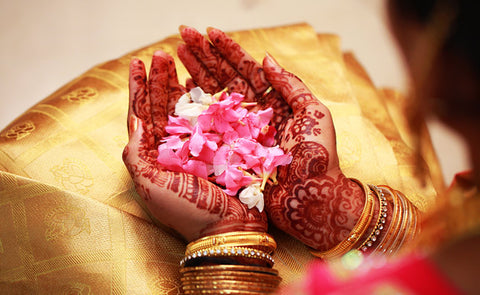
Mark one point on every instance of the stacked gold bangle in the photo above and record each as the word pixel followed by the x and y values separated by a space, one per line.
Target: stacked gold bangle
pixel 229 279
pixel 403 224
pixel 227 275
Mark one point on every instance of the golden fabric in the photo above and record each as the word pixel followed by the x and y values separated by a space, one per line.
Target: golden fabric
pixel 70 217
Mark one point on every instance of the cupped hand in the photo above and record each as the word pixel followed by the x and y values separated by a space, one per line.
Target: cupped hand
pixel 313 200
pixel 192 206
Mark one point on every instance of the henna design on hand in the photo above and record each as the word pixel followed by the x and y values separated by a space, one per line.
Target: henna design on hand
pixel 197 70
pixel 313 201
pixel 193 206
pixel 318 211
pixel 237 56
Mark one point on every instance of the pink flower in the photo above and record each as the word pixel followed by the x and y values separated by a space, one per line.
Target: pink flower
pixel 257 121
pixel 220 116
pixel 275 157
pixel 179 160
pixel 197 168
pixel 178 125
pixel 233 178
pixel 169 159
pixel 227 142
pixel 200 141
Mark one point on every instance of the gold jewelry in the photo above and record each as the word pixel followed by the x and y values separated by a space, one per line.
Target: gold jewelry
pixel 229 252
pixel 381 219
pixel 257 240
pixel 263 96
pixel 410 228
pixel 229 279
pixel 383 246
pixel 358 230
pixel 224 267
pixel 403 228
pixel 403 225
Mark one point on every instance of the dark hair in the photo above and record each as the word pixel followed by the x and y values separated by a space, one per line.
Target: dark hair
pixel 463 38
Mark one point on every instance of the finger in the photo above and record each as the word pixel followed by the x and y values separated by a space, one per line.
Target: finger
pixel 199 73
pixel 292 89
pixel 224 73
pixel 281 109
pixel 243 62
pixel 157 86
pixel 138 147
pixel 139 103
pixel 132 125
pixel 189 84
pixel 175 89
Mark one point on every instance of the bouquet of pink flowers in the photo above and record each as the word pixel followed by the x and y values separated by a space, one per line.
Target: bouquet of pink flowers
pixel 217 138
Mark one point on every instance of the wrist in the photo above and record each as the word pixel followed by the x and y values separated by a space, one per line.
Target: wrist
pixel 388 220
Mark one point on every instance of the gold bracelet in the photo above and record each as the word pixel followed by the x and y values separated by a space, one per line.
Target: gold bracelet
pixel 257 240
pixel 400 234
pixel 358 230
pixel 410 229
pixel 403 225
pixel 229 279
pixel 229 252
pixel 381 219
pixel 382 246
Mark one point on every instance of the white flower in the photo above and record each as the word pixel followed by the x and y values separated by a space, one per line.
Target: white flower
pixel 192 104
pixel 252 196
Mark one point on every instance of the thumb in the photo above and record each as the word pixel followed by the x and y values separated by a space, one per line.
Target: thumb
pixel 292 89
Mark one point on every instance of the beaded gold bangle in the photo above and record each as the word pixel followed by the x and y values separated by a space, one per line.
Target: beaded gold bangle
pixel 257 240
pixel 381 219
pixel 356 233
pixel 229 252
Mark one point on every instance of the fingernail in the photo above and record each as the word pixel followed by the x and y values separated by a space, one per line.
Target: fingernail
pixel 209 29
pixel 271 58
pixel 133 124
pixel 181 28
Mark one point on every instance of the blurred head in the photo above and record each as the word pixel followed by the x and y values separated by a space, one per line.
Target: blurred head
pixel 440 41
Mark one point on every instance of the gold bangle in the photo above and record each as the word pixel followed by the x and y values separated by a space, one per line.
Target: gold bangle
pixel 230 267
pixel 229 252
pixel 402 228
pixel 257 240
pixel 393 222
pixel 358 230
pixel 381 219
pixel 411 226
pixel 229 279
pixel 403 224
